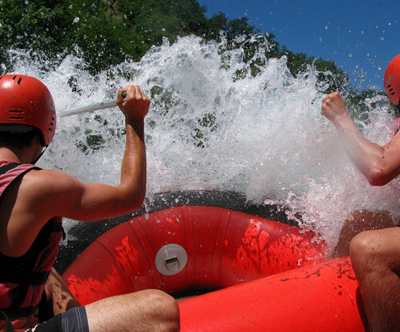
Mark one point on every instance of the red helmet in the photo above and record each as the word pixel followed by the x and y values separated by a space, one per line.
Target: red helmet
pixel 26 100
pixel 391 81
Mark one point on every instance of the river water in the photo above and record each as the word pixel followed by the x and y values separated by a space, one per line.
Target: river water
pixel 263 136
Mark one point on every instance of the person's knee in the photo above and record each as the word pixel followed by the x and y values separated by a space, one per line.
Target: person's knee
pixel 166 307
pixel 362 245
pixel 367 252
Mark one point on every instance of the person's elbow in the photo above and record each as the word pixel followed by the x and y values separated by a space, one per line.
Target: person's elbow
pixel 130 197
pixel 137 200
pixel 378 176
pixel 128 202
pixel 376 182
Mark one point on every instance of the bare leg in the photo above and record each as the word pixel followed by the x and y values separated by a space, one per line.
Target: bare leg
pixel 360 221
pixel 148 310
pixel 375 257
pixel 58 294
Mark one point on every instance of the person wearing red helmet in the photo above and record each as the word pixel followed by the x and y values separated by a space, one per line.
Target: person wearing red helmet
pixel 374 253
pixel 32 202
pixel 391 81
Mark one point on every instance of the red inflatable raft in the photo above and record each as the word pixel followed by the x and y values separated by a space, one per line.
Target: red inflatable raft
pixel 257 274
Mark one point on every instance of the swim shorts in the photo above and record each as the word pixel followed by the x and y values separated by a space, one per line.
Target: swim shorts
pixel 73 320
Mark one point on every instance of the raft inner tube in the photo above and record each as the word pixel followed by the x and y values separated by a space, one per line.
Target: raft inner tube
pixel 253 273
pixel 82 234
pixel 223 248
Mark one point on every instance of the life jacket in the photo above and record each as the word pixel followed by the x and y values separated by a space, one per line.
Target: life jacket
pixel 23 279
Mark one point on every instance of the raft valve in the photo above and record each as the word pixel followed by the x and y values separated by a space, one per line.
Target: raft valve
pixel 171 259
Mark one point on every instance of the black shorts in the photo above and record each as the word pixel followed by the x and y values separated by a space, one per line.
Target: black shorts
pixel 73 320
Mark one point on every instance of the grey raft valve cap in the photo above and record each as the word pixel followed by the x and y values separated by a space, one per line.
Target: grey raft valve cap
pixel 171 259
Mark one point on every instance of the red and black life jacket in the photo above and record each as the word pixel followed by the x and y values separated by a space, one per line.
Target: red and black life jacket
pixel 23 279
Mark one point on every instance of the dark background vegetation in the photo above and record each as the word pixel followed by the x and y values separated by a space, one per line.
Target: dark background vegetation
pixel 108 32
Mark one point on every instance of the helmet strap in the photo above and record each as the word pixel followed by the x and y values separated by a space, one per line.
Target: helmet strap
pixel 40 155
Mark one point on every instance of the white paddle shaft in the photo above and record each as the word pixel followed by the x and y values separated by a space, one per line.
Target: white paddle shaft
pixel 92 107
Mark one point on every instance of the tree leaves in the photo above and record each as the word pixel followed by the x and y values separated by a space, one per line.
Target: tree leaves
pixel 108 32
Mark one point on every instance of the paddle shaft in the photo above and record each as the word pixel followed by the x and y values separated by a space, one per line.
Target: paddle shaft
pixel 92 107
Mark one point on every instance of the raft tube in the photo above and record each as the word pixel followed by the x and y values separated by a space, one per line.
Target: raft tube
pixel 321 297
pixel 257 274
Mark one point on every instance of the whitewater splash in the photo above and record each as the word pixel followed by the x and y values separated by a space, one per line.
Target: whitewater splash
pixel 212 129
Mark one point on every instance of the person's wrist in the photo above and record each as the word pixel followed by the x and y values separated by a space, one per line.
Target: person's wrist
pixel 136 123
pixel 341 118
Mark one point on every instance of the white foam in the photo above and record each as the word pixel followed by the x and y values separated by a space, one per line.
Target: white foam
pixel 267 138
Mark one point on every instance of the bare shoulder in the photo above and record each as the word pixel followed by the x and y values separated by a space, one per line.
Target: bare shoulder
pixel 39 172
pixel 51 179
pixel 57 189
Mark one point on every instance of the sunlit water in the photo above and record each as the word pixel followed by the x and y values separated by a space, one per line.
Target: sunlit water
pixel 262 136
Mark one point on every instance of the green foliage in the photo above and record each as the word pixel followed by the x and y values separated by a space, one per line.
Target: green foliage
pixel 38 26
pixel 330 77
pixel 108 32
pixel 168 19
pixel 206 124
pixel 359 104
pixel 230 28
pixel 104 32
